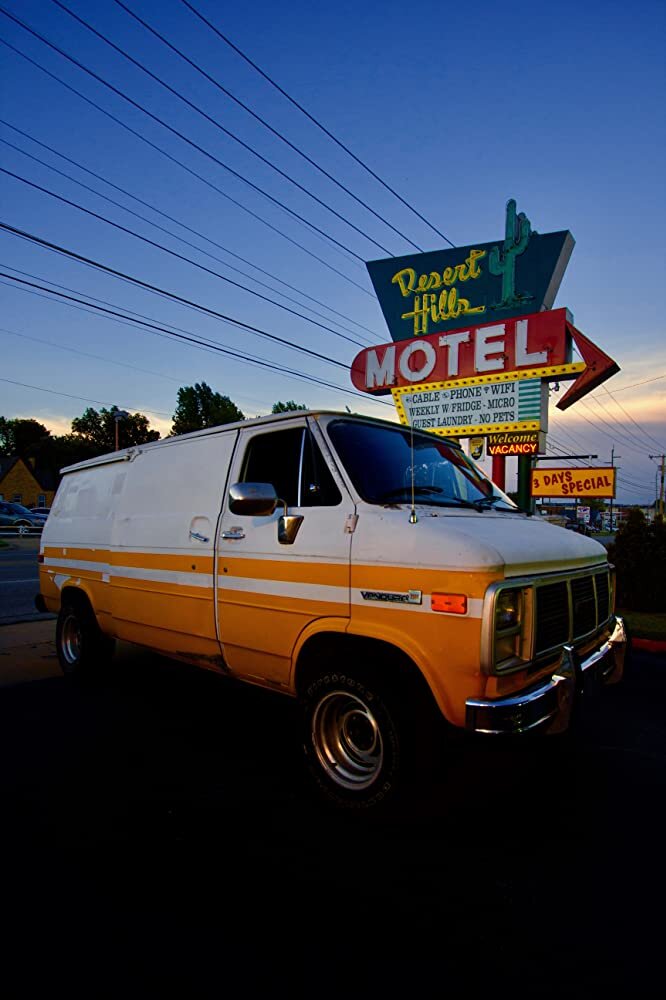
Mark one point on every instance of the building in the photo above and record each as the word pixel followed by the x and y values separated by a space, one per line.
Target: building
pixel 21 482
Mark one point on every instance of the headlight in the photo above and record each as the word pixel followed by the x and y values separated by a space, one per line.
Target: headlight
pixel 508 627
pixel 507 610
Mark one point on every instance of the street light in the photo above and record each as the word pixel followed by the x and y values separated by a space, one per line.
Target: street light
pixel 118 416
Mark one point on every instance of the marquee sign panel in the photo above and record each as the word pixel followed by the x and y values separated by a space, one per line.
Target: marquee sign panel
pixel 479 406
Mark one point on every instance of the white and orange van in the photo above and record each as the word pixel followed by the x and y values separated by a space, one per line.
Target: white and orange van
pixel 370 570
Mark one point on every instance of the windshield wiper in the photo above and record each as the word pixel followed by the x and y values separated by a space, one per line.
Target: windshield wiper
pixel 438 501
pixel 408 490
pixel 483 503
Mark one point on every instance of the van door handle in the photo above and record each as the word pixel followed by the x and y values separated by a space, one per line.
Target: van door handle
pixel 234 533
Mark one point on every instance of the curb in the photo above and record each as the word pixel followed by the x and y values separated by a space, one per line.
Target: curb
pixel 650 645
pixel 27 619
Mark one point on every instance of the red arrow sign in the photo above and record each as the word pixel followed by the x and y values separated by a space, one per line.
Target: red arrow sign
pixel 599 367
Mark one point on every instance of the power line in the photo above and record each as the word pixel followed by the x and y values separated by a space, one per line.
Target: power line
pixel 84 399
pixel 165 331
pixel 221 128
pixel 189 170
pixel 627 414
pixel 180 135
pixel 175 236
pixel 625 440
pixel 613 430
pixel 170 295
pixel 179 256
pixel 93 299
pixel 633 385
pixel 567 432
pixel 628 433
pixel 73 293
pixel 314 120
pixel 190 338
pixel 266 124
pixel 87 354
pixel 74 301
pixel 187 302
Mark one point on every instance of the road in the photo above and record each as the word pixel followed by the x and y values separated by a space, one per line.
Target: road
pixel 158 837
pixel 19 580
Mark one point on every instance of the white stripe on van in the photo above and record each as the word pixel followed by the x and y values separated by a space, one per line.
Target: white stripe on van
pixel 284 588
pixel 248 585
pixel 474 605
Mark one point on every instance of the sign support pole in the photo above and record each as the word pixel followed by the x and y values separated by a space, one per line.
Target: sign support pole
pixel 498 474
pixel 524 471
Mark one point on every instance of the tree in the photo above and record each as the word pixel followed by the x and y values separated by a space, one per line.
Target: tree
pixel 281 407
pixel 198 407
pixel 639 555
pixel 21 436
pixel 98 430
pixel 59 451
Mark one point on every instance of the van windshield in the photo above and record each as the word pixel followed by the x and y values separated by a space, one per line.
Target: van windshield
pixel 379 462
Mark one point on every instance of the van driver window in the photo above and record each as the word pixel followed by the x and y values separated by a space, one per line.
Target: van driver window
pixel 291 461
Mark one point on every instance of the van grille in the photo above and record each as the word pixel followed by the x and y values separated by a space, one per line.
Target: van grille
pixel 568 610
pixel 552 602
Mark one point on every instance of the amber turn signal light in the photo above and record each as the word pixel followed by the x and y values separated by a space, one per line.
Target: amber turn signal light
pixel 452 604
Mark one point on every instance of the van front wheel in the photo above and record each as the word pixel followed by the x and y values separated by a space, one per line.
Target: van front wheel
pixel 353 740
pixel 80 643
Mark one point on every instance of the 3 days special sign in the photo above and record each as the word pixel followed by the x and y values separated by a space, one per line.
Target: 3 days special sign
pixel 588 482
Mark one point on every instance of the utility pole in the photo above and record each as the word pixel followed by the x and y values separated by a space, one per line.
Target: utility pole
pixel 611 499
pixel 118 416
pixel 660 506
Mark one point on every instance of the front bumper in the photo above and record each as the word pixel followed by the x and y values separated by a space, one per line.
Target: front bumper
pixel 548 707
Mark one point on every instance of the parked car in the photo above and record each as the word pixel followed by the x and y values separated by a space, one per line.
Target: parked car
pixel 579 526
pixel 44 511
pixel 15 515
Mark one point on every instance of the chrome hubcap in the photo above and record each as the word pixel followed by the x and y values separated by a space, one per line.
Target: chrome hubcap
pixel 347 740
pixel 71 639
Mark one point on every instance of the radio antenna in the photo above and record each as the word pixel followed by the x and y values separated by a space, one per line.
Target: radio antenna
pixel 412 514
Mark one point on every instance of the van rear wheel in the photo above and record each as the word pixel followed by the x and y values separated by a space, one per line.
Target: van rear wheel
pixel 80 644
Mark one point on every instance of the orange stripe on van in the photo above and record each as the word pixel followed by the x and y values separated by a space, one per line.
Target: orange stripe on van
pixel 329 574
pixel 402 578
pixel 70 552
pixel 160 587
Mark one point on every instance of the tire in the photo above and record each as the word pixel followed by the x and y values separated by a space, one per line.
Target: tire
pixel 360 746
pixel 80 644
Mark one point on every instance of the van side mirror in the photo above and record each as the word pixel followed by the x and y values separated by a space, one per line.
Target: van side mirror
pixel 253 499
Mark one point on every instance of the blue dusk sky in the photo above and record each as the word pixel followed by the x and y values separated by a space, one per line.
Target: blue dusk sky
pixel 456 107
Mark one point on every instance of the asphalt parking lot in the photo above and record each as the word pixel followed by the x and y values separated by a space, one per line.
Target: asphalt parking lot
pixel 158 836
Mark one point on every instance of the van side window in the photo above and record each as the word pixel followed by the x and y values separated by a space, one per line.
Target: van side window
pixel 291 461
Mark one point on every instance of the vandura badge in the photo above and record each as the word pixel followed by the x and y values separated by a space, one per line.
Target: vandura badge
pixel 385 596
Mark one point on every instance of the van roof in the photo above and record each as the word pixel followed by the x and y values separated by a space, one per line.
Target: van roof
pixel 125 454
